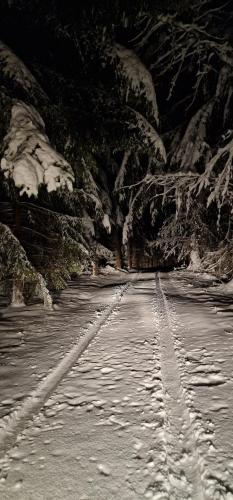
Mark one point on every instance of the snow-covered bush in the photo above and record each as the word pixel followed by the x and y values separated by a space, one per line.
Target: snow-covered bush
pixel 29 159
pixel 13 258
pixel 15 264
pixel 220 261
pixel 186 237
pixel 104 253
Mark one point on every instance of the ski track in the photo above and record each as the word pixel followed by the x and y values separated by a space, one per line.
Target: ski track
pixel 183 462
pixel 187 440
pixel 215 475
pixel 148 373
pixel 13 424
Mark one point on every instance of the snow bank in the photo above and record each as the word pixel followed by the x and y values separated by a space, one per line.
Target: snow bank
pixel 227 287
pixel 195 261
pixel 29 159
pixel 109 270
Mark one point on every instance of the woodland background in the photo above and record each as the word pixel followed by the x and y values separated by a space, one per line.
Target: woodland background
pixel 116 139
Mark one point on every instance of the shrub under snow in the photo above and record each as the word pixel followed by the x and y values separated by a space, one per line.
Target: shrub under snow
pixel 29 159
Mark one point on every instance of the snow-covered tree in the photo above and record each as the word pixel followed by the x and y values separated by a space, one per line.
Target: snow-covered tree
pixel 28 158
pixel 15 264
pixel 138 121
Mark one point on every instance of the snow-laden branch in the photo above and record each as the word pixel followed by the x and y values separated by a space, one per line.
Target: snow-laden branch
pixel 129 219
pixel 107 223
pixel 15 264
pixel 122 170
pixel 13 257
pixel 194 147
pixel 219 182
pixel 184 237
pixel 29 159
pixel 150 137
pixel 137 76
pixel 13 68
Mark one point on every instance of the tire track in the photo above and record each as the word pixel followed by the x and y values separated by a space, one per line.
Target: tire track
pixel 12 425
pixel 183 461
pixel 215 476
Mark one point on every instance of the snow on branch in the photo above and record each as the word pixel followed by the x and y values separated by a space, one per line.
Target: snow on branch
pixel 29 159
pixel 13 258
pixel 103 253
pixel 178 186
pixel 13 68
pixel 150 136
pixel 122 170
pixel 219 262
pixel 139 79
pixel 129 219
pixel 185 236
pixel 88 225
pixel 15 263
pixel 194 147
pixel 106 223
pixel 219 182
pixel 99 198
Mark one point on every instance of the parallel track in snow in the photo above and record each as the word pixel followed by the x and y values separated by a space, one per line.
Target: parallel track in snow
pixel 183 461
pixel 12 425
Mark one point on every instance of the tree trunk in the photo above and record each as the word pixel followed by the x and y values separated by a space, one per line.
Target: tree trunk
pixel 17 299
pixel 130 252
pixel 95 268
pixel 118 248
pixel 136 258
pixel 48 302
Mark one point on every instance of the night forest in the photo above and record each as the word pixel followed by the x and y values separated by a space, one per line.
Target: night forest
pixel 116 139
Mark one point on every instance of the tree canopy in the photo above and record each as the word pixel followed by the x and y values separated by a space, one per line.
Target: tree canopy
pixel 116 132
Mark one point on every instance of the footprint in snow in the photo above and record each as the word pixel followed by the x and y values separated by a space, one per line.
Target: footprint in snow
pixel 106 370
pixel 209 380
pixel 104 469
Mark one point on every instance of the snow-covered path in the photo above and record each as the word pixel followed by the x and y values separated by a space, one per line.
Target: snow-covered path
pixel 147 411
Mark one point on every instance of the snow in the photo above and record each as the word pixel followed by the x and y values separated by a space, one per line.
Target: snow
pixel 150 136
pixel 227 287
pixel 29 159
pixel 88 224
pixel 44 292
pixel 127 227
pixel 137 76
pixel 194 146
pixel 108 270
pixel 13 68
pixel 103 253
pixel 195 261
pixel 146 412
pixel 106 223
pixel 119 182
pixel 17 297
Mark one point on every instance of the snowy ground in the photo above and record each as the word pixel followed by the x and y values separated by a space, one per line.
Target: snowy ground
pixel 145 412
